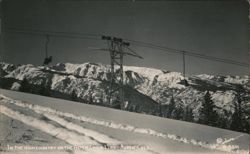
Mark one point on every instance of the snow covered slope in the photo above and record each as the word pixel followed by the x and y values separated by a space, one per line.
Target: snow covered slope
pixel 145 88
pixel 81 125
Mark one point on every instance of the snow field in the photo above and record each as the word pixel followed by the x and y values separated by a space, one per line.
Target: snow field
pixel 61 133
pixel 220 144
pixel 83 140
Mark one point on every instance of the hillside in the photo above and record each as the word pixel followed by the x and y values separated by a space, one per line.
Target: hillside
pixel 147 90
pixel 29 120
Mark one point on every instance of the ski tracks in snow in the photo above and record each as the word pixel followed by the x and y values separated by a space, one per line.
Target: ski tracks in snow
pixel 75 134
pixel 82 140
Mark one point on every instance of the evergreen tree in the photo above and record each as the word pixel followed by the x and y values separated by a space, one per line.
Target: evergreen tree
pixel 208 115
pixel 137 109
pixel 188 116
pixel 171 108
pixel 240 117
pixel 239 121
pixel 178 113
pixel 164 110
pixel 90 99
pixel 246 126
pixel 159 110
pixel 25 86
pixel 222 122
pixel 73 96
pixel 45 89
pixel 236 119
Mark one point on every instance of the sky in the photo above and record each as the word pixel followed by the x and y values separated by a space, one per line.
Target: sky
pixel 214 28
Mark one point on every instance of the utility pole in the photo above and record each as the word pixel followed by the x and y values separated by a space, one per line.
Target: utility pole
pixel 248 1
pixel 1 31
pixel 116 48
pixel 184 63
pixel 184 67
pixel 46 46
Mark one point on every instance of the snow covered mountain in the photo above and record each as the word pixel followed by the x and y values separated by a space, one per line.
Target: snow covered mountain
pixel 147 90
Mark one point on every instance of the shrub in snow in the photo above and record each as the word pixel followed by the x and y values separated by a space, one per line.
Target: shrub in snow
pixel 16 86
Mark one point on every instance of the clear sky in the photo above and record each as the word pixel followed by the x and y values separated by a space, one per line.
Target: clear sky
pixel 214 28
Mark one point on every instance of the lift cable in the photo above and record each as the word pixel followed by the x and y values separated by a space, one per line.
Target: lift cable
pixel 132 42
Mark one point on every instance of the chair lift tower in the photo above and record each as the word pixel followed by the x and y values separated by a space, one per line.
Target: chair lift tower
pixel 47 59
pixel 116 48
pixel 1 31
pixel 184 81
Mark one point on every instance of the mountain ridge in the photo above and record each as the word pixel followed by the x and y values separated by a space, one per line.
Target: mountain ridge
pixel 146 89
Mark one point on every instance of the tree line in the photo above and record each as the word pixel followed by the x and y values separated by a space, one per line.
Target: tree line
pixel 208 113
